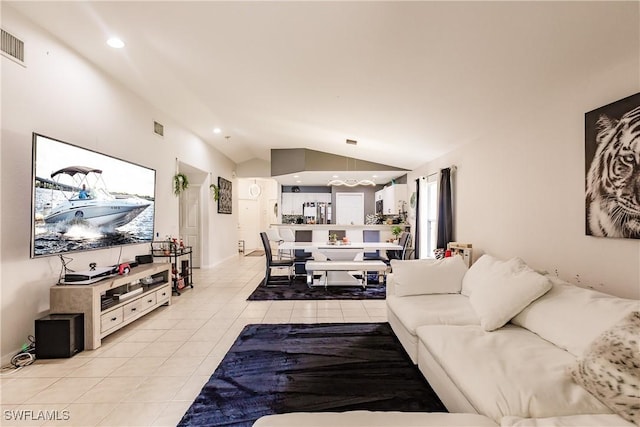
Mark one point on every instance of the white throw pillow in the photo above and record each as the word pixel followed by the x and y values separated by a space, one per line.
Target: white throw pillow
pixel 610 369
pixel 502 289
pixel 484 267
pixel 428 276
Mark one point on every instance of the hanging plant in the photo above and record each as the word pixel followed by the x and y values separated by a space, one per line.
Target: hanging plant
pixel 216 192
pixel 180 183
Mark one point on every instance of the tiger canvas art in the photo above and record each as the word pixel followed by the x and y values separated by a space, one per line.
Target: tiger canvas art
pixel 612 165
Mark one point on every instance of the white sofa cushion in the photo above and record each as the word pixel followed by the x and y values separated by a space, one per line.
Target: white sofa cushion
pixel 373 419
pixel 408 313
pixel 509 371
pixel 501 289
pixel 610 369
pixel 428 276
pixel 592 420
pixel 583 315
pixel 439 309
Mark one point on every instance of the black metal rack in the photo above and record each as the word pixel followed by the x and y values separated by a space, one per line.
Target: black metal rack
pixel 183 276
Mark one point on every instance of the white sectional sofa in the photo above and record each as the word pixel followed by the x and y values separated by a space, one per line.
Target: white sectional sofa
pixel 508 346
pixel 513 370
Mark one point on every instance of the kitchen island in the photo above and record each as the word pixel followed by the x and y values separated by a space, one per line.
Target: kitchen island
pixel 320 232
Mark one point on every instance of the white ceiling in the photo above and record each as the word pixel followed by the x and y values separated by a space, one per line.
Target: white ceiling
pixel 408 80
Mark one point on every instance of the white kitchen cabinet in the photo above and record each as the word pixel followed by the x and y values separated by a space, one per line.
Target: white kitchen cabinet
pixel 392 196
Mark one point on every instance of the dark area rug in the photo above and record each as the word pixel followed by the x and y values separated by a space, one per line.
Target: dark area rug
pixel 273 369
pixel 300 291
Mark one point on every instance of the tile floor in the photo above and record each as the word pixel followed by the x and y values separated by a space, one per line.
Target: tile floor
pixel 148 373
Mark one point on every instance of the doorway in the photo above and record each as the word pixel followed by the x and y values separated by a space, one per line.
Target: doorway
pixel 190 223
pixel 349 208
pixel 192 213
pixel 249 226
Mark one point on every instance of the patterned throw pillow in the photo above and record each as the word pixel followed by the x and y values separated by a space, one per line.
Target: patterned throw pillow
pixel 610 368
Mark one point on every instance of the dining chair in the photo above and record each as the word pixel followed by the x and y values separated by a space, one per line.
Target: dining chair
pixel 300 256
pixel 371 236
pixel 287 235
pixel 274 236
pixel 404 241
pixel 274 263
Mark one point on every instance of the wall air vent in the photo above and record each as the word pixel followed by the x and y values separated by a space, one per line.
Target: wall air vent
pixel 158 129
pixel 352 142
pixel 12 47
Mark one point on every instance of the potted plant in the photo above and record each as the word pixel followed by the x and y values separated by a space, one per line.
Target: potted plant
pixel 180 183
pixel 216 192
pixel 396 230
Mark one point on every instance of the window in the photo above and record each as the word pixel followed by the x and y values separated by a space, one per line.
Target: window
pixel 428 215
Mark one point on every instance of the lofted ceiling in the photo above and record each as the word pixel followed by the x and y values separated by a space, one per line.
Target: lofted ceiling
pixel 409 81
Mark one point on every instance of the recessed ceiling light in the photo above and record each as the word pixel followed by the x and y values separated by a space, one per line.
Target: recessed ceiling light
pixel 296 176
pixel 298 181
pixel 336 176
pixel 217 130
pixel 374 176
pixel 115 42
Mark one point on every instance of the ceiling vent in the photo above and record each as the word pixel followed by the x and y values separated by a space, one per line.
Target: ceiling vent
pixel 158 129
pixel 12 47
pixel 352 142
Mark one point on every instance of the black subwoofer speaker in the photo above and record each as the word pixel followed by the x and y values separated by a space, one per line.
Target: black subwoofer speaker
pixel 59 335
pixel 144 259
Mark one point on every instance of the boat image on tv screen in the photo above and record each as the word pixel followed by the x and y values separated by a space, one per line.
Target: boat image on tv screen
pixel 86 200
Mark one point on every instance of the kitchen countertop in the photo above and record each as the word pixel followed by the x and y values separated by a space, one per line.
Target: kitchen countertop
pixel 336 226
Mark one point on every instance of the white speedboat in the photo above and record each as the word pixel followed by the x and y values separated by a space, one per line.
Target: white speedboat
pixel 91 202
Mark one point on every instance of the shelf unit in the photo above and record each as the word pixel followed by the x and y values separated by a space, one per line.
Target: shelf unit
pixel 465 250
pixel 114 302
pixel 170 249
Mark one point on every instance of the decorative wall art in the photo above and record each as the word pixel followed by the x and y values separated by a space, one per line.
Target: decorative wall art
pixel 225 200
pixel 612 167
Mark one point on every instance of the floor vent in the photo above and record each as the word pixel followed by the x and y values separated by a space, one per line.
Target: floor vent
pixel 12 47
pixel 158 129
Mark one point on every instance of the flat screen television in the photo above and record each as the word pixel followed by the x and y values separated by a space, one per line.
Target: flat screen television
pixel 84 200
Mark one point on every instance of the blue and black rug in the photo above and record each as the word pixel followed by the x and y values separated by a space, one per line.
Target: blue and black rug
pixel 300 291
pixel 272 369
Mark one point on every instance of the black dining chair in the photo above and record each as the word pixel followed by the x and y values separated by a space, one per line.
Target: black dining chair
pixel 274 263
pixel 371 236
pixel 300 256
pixel 404 241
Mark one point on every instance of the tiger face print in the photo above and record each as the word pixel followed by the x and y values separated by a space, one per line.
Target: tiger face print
pixel 613 180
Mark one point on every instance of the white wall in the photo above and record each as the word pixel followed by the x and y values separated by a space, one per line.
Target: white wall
pixel 519 191
pixel 255 213
pixel 61 95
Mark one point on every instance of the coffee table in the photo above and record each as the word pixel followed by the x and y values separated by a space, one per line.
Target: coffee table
pixel 338 273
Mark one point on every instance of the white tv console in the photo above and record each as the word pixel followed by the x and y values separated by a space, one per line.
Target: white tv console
pixel 106 305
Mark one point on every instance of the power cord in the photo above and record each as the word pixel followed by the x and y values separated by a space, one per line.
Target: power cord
pixel 25 357
pixel 65 266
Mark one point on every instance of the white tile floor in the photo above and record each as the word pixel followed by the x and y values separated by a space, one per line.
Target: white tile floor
pixel 148 373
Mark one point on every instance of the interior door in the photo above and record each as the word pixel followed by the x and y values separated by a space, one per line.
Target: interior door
pixel 249 223
pixel 349 209
pixel 190 221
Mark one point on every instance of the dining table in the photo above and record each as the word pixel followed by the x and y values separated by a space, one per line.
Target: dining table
pixel 334 256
